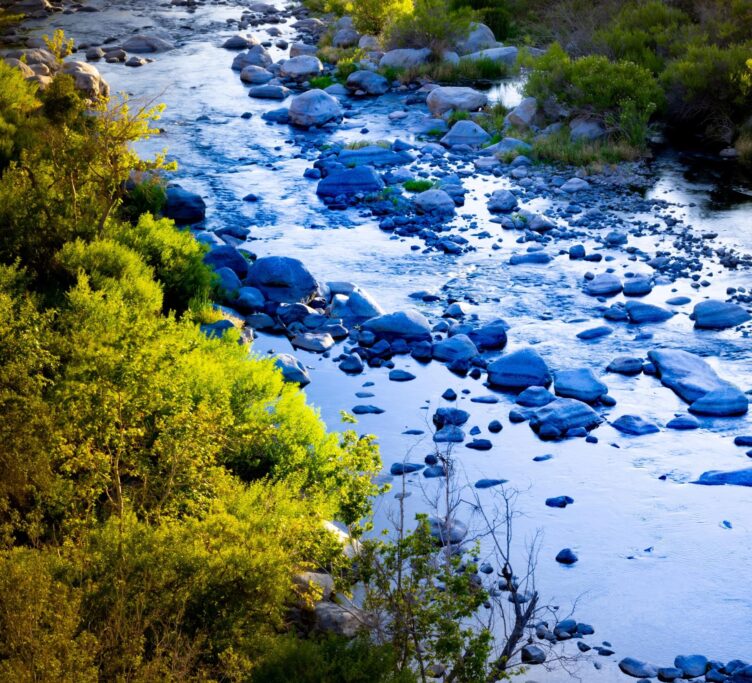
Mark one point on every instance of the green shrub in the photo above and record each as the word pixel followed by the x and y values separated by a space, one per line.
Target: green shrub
pixel 559 148
pixel 647 33
pixel 496 15
pixel 17 101
pixel 431 24
pixel 370 17
pixel 711 86
pixel 321 82
pixel 466 71
pixel 417 185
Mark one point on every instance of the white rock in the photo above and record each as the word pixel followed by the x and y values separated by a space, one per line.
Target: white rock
pixel 87 79
pixel 453 98
pixel 301 67
pixel 405 58
pixel 314 108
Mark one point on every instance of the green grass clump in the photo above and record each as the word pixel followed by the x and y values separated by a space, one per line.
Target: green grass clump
pixel 417 185
pixel 466 71
pixel 559 148
pixel 322 82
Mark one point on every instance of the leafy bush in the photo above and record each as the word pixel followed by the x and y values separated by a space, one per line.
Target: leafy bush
pixel 559 148
pixel 432 24
pixel 17 101
pixel 370 17
pixel 647 33
pixel 496 15
pixel 711 86
pixel 417 185
pixel 466 71
pixel 321 82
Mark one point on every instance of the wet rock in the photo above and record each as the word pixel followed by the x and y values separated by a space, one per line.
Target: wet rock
pixel 595 332
pixel 719 315
pixel 453 98
pixel 434 202
pixel 256 56
pixel 249 300
pixel 404 58
pixel 637 286
pixel 459 347
pixel 531 258
pixel 350 181
pixel 636 668
pixel 225 256
pixel 292 369
pixel 625 365
pixel 449 434
pixel 492 335
pixel 368 82
pixel 604 284
pixel 635 425
pixel 523 115
pixel 640 313
pixel 465 133
pixel 683 423
pixel 502 201
pixel 268 92
pixel 409 325
pixel 559 501
pixel 558 418
pixel 532 654
pixel 184 207
pixel 447 532
pixel 535 397
pixel 519 370
pixel 580 383
pixel 351 364
pixel 401 376
pixel 301 68
pixel 146 44
pixel 282 279
pixel 314 108
pixel 489 483
pixel 725 402
pixel 504 55
pixel 367 410
pixel 669 673
pixel 691 665
pixel 495 426
pixel 400 468
pixel 566 556
pixel 574 185
pixel 238 43
pixel 313 341
pixel 479 445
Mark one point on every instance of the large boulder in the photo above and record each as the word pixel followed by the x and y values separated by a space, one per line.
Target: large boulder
pixel 357 305
pixel 502 201
pixel 255 75
pixel 465 133
pixel 24 68
pixel 282 279
pixel 297 49
pixel 301 68
pixel 604 284
pixel 434 202
pixel 338 620
pixel 556 419
pixel 519 370
pixel 637 669
pixel 87 79
pixel 184 207
pixel 457 348
pixel 239 43
pixel 368 82
pixel 409 325
pixel 503 55
pixel 719 315
pixel 718 478
pixel 404 58
pixel 314 108
pixel 692 379
pixel 454 98
pixel 523 115
pixel 580 383
pixel 256 56
pixel 292 369
pixel 146 44
pixel 225 256
pixel 640 313
pixel 480 38
pixel 350 181
pixel 268 92
pixel 492 335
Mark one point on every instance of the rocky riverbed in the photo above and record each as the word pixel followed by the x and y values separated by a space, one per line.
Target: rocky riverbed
pixel 625 293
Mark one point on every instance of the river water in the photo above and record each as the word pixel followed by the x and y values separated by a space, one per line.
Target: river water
pixel 659 573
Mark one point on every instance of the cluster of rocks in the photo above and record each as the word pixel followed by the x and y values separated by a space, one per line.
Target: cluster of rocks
pixel 690 667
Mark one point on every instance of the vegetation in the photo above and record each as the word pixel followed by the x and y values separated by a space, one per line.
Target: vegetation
pixel 464 72
pixel 371 17
pixel 417 185
pixel 431 24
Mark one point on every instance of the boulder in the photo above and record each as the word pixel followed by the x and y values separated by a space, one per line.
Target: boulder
pixel 604 284
pixel 457 348
pixel 24 68
pixel 146 44
pixel 239 43
pixel 404 58
pixel 585 130
pixel 480 38
pixel 637 669
pixel 502 201
pixel 434 202
pixel 531 257
pixel 718 478
pixel 368 82
pixel 225 256
pixel 507 146
pixel 409 325
pixel 640 313
pixel 492 335
pixel 255 75
pixel 315 342
pixel 350 181
pixel 503 55
pixel 450 416
pixel 87 79
pixel 692 666
pixel 634 425
pixel 580 384
pixel 256 56
pixel 719 315
pixel 282 279
pixel 534 397
pixel 292 369
pixel 314 108
pixel 454 98
pixel 725 402
pixel 184 207
pixel 447 532
pixel 554 420
pixel 566 556
pixel 465 133
pixel 523 115
pixel 574 185
pixel 625 365
pixel 268 92
pixel 301 68
pixel 532 654
pixel 338 620
pixel 358 305
pixel 519 370
pixel 297 49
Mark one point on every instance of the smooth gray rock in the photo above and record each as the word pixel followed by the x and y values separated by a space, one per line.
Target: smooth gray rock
pixel 604 284
pixel 465 133
pixel 368 82
pixel 634 425
pixel 519 370
pixel 146 43
pixel 580 383
pixel 454 98
pixel 637 669
pixel 719 315
pixel 350 181
pixel 314 108
pixel 282 279
pixel 434 202
pixel 301 68
pixel 554 420
pixel 457 348
pixel 409 325
pixel 502 201
pixel 404 58
pixel 504 55
pixel 292 369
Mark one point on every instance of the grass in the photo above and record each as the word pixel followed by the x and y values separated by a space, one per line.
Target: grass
pixel 467 71
pixel 492 118
pixel 321 82
pixel 743 147
pixel 457 115
pixel 559 148
pixel 417 185
pixel 360 144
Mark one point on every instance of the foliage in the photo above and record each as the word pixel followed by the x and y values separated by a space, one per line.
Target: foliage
pixel 466 71
pixel 17 102
pixel 59 45
pixel 330 659
pixel 321 82
pixel 145 194
pixel 417 185
pixel 370 17
pixel 560 148
pixel 431 24
pixel 497 15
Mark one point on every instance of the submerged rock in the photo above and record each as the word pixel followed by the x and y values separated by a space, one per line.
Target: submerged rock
pixel 635 425
pixel 555 420
pixel 350 181
pixel 580 384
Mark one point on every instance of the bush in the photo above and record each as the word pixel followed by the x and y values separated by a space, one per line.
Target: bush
pixel 17 101
pixel 710 86
pixel 647 34
pixel 431 24
pixel 371 16
pixel 467 71
pixel 417 185
pixel 560 148
pixel 497 16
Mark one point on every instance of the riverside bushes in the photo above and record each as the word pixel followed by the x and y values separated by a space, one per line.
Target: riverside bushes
pixel 159 489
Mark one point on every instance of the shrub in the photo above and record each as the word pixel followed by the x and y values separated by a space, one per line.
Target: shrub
pixel 417 185
pixel 560 148
pixel 710 85
pixel 371 16
pixel 17 102
pixel 431 24
pixel 497 16
pixel 321 82
pixel 466 71
pixel 648 34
